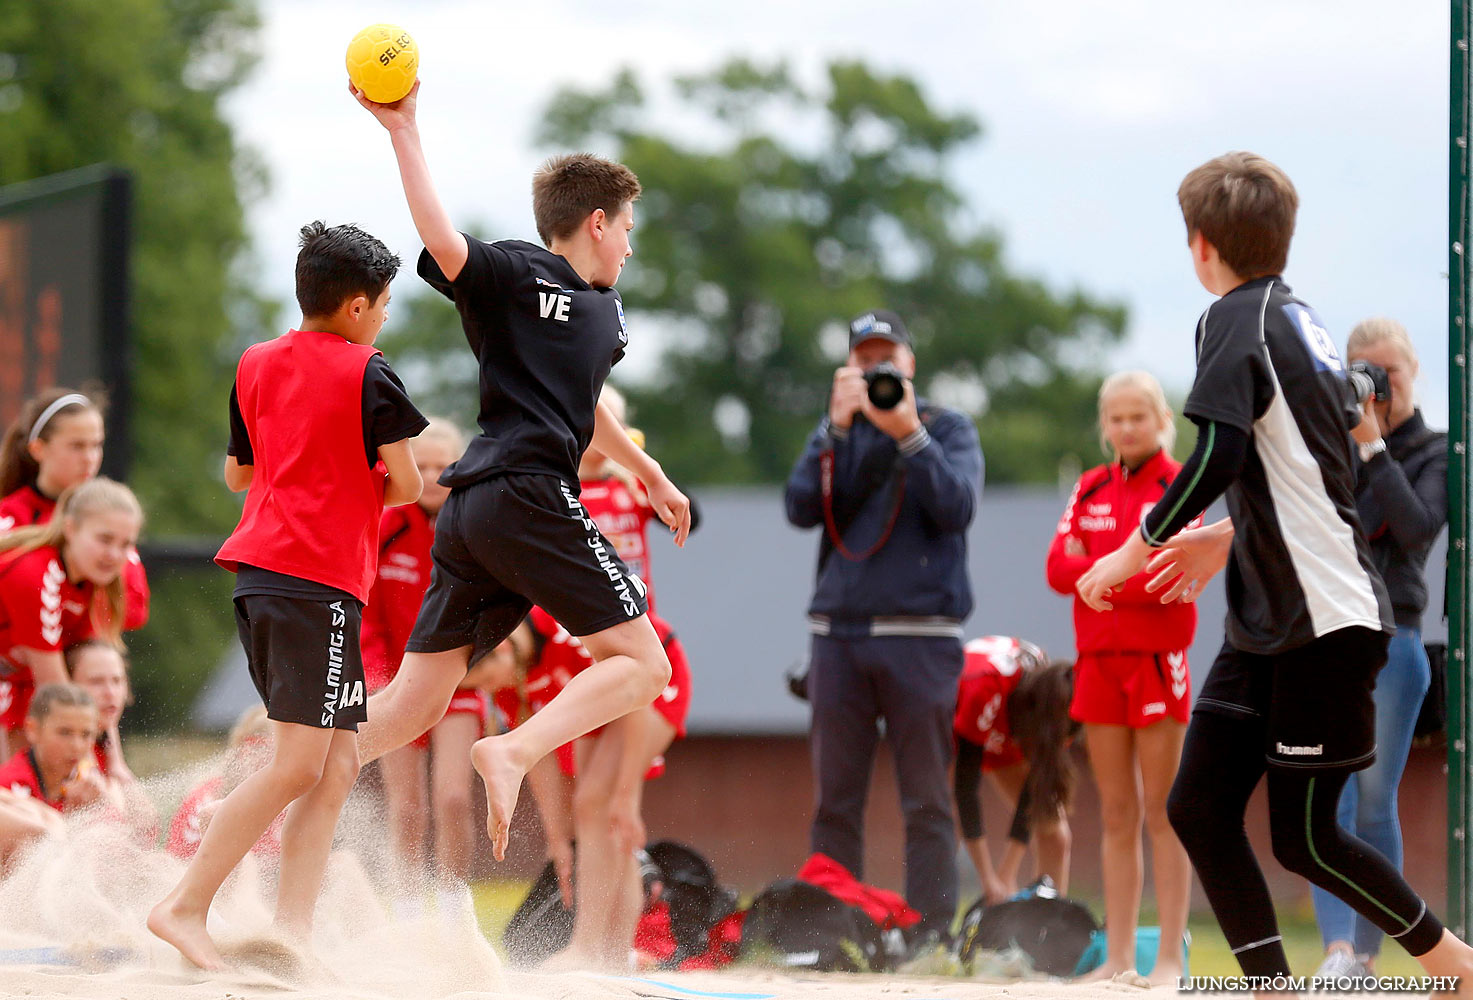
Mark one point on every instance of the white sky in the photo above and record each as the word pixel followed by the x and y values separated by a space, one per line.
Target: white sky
pixel 1092 113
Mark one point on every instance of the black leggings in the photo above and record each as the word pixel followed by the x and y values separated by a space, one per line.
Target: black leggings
pixel 1221 764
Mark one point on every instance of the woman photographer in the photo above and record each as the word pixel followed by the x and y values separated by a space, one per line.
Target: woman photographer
pixel 1401 496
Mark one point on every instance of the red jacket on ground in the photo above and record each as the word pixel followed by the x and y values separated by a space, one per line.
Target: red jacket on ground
pixel 1106 506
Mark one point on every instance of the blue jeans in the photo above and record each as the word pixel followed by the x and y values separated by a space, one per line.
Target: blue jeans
pixel 1368 805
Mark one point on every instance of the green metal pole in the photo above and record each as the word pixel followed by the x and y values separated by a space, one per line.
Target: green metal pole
pixel 1459 782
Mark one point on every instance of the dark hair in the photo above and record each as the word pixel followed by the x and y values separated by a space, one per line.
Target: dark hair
pixel 336 265
pixel 568 188
pixel 74 653
pixel 17 467
pixel 1245 207
pixel 1038 716
pixel 50 696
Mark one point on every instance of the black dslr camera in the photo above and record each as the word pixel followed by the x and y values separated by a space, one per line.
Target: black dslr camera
pixel 886 386
pixel 1370 381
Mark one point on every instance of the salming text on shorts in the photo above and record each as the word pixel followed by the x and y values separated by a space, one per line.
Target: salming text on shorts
pixel 1314 701
pixel 506 543
pixel 305 659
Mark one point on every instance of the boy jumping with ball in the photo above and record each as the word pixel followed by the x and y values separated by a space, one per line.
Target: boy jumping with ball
pixel 319 437
pixel 546 326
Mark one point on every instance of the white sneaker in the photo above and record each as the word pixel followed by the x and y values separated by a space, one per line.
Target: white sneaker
pixel 1341 965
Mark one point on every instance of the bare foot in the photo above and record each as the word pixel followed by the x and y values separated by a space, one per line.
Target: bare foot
pixel 186 931
pixel 1103 974
pixel 503 779
pixel 1165 975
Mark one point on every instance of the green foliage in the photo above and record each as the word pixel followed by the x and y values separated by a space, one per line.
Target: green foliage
pixel 772 214
pixel 140 83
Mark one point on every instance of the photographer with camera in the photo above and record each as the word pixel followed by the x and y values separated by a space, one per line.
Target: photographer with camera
pixel 1401 496
pixel 894 482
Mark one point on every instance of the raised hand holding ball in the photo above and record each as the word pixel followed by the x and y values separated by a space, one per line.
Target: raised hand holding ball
pixel 383 62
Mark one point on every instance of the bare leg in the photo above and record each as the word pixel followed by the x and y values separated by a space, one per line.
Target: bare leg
pixel 407 802
pixel 451 740
pixel 1052 841
pixel 631 671
pixel 414 701
pixel 1449 957
pixel 655 735
pixel 296 766
pixel 306 839
pixel 596 852
pixel 1112 759
pixel 1159 749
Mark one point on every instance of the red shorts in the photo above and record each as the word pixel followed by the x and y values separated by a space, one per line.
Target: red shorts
pixel 15 699
pixel 1131 689
pixel 469 701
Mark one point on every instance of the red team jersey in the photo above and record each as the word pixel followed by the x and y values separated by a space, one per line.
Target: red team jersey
pixel 623 516
pixel 992 670
pixel 1105 508
pixel 40 609
pixel 186 829
pixel 406 535
pixel 28 506
pixel 19 776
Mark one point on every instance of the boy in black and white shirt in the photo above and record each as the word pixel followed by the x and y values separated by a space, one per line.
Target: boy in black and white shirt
pixel 1308 616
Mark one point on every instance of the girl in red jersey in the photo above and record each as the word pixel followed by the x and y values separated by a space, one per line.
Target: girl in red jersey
pixel 405 537
pixel 56 768
pixel 55 444
pixel 1131 687
pixel 600 809
pixel 101 669
pixel 61 582
pixel 1012 723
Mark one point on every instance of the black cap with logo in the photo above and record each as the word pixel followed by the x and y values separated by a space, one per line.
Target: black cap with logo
pixel 878 323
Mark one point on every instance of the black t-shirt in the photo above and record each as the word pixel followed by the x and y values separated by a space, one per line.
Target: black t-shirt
pixel 1300 565
pixel 255 580
pixel 388 415
pixel 545 340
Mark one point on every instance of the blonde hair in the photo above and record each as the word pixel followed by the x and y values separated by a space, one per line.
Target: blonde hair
pixel 78 503
pixel 1144 383
pixel 1381 330
pixel 441 431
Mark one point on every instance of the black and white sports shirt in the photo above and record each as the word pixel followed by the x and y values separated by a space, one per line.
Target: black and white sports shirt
pixel 1300 565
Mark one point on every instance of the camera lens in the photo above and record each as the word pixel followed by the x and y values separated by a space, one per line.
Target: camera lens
pixel 886 386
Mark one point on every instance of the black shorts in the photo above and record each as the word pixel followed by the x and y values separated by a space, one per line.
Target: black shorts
pixel 507 543
pixel 1314 702
pixel 305 658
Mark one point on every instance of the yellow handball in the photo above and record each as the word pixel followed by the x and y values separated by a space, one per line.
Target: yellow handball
pixel 383 62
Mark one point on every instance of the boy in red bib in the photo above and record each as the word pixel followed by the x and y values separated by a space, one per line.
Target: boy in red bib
pixel 320 429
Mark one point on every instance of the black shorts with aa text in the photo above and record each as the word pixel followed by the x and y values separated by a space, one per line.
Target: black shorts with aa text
pixel 1313 702
pixel 305 658
pixel 513 541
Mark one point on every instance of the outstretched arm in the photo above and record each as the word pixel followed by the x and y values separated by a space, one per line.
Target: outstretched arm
pixel 441 239
pixel 670 505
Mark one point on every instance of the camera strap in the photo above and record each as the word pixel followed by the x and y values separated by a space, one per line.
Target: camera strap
pixel 826 483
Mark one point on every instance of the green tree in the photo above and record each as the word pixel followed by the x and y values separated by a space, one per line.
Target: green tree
pixel 140 83
pixel 774 212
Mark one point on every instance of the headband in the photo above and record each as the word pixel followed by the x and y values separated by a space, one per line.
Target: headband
pixel 70 399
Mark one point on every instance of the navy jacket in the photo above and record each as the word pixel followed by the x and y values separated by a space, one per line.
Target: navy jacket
pixel 922 569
